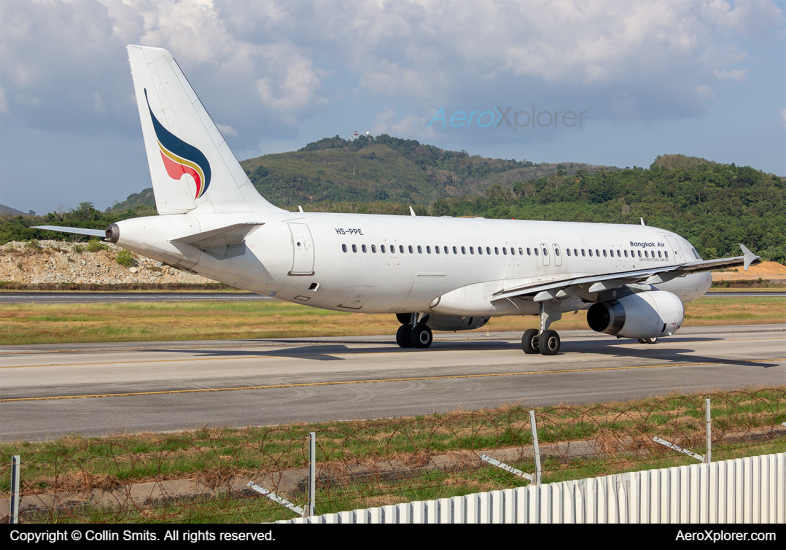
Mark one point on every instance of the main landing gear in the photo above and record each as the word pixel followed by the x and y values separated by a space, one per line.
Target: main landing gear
pixel 413 332
pixel 648 340
pixel 543 341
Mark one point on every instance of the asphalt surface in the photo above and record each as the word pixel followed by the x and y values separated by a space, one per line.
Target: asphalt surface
pixel 51 390
pixel 99 297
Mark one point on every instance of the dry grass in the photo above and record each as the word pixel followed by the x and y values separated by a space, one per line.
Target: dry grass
pixel 172 321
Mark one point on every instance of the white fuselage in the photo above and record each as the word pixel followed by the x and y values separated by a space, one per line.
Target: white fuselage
pixel 354 262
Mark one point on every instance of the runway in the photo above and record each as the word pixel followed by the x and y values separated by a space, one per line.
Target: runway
pixel 47 391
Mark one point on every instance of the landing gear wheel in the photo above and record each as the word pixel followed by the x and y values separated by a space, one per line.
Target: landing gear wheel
pixel 529 342
pixel 650 340
pixel 548 342
pixel 421 336
pixel 403 336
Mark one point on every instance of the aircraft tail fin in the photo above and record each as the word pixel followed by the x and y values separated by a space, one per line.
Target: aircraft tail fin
pixel 190 163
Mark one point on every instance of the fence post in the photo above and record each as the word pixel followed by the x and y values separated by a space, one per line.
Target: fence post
pixel 14 516
pixel 535 446
pixel 312 472
pixel 708 420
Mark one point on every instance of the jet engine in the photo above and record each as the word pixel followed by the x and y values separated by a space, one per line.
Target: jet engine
pixel 644 315
pixel 455 322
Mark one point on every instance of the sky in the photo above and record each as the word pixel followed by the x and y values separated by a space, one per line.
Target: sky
pixel 603 82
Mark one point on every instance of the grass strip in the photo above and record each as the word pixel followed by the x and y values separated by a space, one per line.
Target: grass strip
pixel 202 320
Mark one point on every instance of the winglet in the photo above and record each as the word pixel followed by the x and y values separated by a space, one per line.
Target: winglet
pixel 412 212
pixel 750 257
pixel 642 220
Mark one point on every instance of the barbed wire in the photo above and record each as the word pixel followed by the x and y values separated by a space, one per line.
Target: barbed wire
pixel 202 475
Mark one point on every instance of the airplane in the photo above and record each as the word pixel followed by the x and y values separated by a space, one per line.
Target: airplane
pixel 433 273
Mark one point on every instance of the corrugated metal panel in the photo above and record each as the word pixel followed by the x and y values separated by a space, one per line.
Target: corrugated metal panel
pixel 744 490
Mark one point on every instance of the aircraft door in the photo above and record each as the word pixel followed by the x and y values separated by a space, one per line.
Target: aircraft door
pixel 544 250
pixel 303 250
pixel 557 254
pixel 679 256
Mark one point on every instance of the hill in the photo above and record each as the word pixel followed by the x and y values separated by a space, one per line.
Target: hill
pixel 381 168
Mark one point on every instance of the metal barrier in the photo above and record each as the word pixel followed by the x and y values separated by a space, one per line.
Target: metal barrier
pixel 743 490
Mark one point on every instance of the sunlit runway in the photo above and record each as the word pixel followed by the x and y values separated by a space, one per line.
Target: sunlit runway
pixel 48 391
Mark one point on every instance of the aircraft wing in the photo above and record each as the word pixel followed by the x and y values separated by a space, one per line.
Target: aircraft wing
pixel 557 290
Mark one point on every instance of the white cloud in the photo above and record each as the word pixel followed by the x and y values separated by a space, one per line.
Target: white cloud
pixel 734 74
pixel 226 130
pixel 783 116
pixel 3 103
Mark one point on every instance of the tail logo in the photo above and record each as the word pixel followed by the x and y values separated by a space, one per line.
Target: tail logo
pixel 181 158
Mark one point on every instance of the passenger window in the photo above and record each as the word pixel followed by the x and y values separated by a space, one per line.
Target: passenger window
pixel 639 253
pixel 488 250
pixel 590 252
pixel 597 253
pixel 545 251
pixel 659 255
pixel 480 250
pixel 463 250
pixel 528 252
pixel 354 248
pixel 521 252
pixel 504 251
pixel 363 247
pixel 556 251
pixel 666 252
pixel 618 254
pixel 536 251
pixel 410 250
pixel 436 249
pixel 420 249
pixel 401 248
pixel 383 249
pixel 582 252
pixel 344 247
pixel 568 251
pixel 471 249
pixel 604 252
pixel 496 251
pixel 626 253
pixel 575 252
pixel 512 251
pixel 374 248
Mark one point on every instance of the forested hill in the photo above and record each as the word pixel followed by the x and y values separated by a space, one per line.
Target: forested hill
pixel 715 206
pixel 380 168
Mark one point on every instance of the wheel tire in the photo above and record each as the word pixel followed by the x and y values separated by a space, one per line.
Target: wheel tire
pixel 403 338
pixel 421 336
pixel 549 342
pixel 642 340
pixel 529 342
pixel 404 318
pixel 650 340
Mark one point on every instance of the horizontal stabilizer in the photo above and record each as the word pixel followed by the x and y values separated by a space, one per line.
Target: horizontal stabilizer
pixel 78 230
pixel 224 236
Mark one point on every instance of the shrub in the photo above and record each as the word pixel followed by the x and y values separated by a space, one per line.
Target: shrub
pixel 32 243
pixel 78 249
pixel 125 259
pixel 94 245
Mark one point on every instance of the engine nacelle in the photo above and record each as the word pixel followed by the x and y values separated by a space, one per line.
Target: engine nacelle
pixel 643 315
pixel 455 322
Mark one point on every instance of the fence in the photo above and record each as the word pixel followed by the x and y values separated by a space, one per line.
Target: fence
pixel 745 490
pixel 203 476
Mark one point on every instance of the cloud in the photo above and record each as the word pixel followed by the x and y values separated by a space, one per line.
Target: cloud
pixel 783 116
pixel 269 66
pixel 3 103
pixel 226 130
